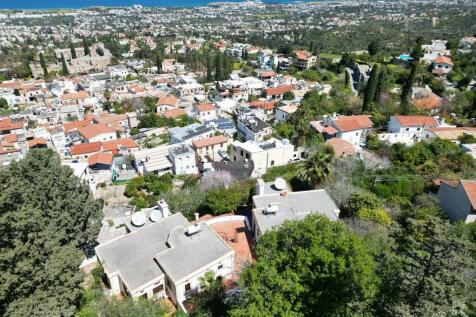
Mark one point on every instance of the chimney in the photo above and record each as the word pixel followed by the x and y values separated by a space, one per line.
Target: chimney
pixel 260 187
pixel 197 215
pixel 164 208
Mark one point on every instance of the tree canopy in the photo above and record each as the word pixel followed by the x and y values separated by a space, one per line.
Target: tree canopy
pixel 47 219
pixel 313 267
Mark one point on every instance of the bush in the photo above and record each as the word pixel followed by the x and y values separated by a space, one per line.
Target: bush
pixel 361 200
pixel 378 215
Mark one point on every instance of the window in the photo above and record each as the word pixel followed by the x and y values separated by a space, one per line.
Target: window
pixel 407 129
pixel 418 129
pixel 272 163
pixel 187 287
pixel 247 155
pixel 241 152
pixel 220 266
pixel 158 289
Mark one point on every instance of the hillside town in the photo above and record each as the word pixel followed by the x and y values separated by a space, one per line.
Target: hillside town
pixel 203 167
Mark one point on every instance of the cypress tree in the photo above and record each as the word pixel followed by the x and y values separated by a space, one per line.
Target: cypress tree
pixel 43 64
pixel 382 77
pixel 209 69
pixel 227 66
pixel 158 61
pixel 371 88
pixel 218 67
pixel 347 79
pixel 73 50
pixel 64 67
pixel 86 47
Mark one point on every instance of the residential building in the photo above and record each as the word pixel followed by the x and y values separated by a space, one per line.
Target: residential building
pixel 163 256
pixel 97 133
pixel 254 129
pixel 166 103
pixel 304 60
pixel 442 65
pixel 190 133
pixel 425 99
pixel 225 126
pixel 341 147
pixel 458 199
pixel 278 92
pixel 407 129
pixel 211 147
pixel 205 112
pixel 264 155
pixel 155 160
pixel 183 159
pixel 275 203
pixel 452 134
pixel 284 112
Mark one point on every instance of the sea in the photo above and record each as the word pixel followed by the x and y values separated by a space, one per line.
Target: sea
pixel 78 4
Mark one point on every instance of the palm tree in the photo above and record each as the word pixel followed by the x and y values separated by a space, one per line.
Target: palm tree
pixel 317 168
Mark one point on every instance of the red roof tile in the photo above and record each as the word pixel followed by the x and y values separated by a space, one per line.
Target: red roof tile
pixel 204 107
pixel 341 147
pixel 114 144
pixel 100 158
pixel 218 139
pixel 416 121
pixel 93 130
pixel 75 95
pixel 37 142
pixel 69 126
pixel 278 91
pixel 352 123
pixel 8 124
pixel 443 60
pixel 169 100
pixel 469 187
pixel 174 113
pixel 266 105
pixel 85 148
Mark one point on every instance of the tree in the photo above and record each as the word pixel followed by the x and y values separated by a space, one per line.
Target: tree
pixel 158 62
pixel 318 167
pixel 347 79
pixel 43 65
pixel 86 47
pixel 374 47
pixel 48 220
pixel 381 84
pixel 371 89
pixel 220 200
pixel 312 267
pixel 288 95
pixel 407 90
pixel 209 70
pixel 3 103
pixel 73 50
pixel 219 67
pixel 64 67
pixel 426 272
pixel 209 302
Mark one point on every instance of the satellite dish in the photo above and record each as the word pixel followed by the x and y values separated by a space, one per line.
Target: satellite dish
pixel 155 215
pixel 280 183
pixel 138 219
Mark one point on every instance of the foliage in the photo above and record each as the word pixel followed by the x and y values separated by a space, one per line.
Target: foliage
pixel 3 103
pixel 425 273
pixel 209 301
pixel 361 200
pixel 371 89
pixel 317 168
pixel 288 95
pixel 221 200
pixel 187 200
pixel 64 67
pixel 313 267
pixel 379 215
pixel 145 189
pixel 48 218
pixel 464 139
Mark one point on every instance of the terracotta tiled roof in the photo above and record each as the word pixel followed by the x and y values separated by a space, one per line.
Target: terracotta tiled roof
pixel 443 60
pixel 204 107
pixel 10 138
pixel 352 123
pixel 169 100
pixel 341 147
pixel 8 124
pixel 330 130
pixel 100 158
pixel 174 113
pixel 114 144
pixel 469 187
pixel 262 104
pixel 303 55
pixel 136 88
pixel 278 91
pixel 69 126
pixel 412 121
pixel 219 139
pixel 93 130
pixel 37 142
pixel 75 95
pixel 109 118
pixel 427 100
pixel 85 148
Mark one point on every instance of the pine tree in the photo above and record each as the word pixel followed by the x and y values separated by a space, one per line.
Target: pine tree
pixel 64 67
pixel 381 84
pixel 73 50
pixel 370 89
pixel 218 67
pixel 86 47
pixel 43 65
pixel 209 69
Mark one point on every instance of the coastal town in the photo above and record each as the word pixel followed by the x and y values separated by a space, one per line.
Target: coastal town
pixel 239 159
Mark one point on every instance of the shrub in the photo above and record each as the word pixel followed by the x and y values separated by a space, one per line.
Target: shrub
pixel 361 200
pixel 378 215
